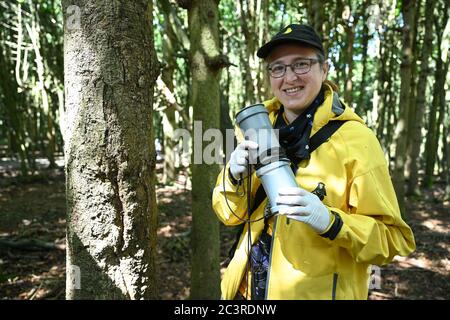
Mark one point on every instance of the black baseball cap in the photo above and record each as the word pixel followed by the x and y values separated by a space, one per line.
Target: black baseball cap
pixel 293 33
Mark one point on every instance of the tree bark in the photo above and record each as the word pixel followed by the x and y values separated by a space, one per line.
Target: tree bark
pixel 248 29
pixel 263 81
pixel 110 70
pixel 413 92
pixel 416 134
pixel 447 161
pixel 401 131
pixel 438 104
pixel 349 27
pixel 205 68
pixel 315 9
pixel 381 88
pixel 170 48
pixel 391 99
pixel 364 46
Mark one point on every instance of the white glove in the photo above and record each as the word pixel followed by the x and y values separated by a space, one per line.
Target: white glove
pixel 305 207
pixel 246 150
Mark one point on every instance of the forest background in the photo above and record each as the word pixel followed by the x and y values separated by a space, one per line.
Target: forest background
pixel 150 68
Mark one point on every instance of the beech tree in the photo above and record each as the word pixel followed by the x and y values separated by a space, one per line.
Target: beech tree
pixel 110 71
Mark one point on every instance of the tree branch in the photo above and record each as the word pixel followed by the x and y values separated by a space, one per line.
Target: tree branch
pixel 30 245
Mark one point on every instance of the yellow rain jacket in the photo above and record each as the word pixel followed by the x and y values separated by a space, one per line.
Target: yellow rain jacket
pixel 304 265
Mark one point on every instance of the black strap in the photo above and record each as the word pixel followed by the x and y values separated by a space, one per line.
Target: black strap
pixel 324 134
pixel 315 141
pixel 260 195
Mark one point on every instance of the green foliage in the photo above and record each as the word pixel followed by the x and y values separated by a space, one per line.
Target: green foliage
pixel 31 87
pixel 30 124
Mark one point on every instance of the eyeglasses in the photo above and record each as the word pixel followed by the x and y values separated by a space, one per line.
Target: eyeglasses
pixel 299 67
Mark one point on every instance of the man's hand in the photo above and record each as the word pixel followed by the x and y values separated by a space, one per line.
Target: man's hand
pixel 305 207
pixel 240 157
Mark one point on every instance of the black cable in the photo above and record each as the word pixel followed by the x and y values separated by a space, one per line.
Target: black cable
pixel 246 221
pixel 248 195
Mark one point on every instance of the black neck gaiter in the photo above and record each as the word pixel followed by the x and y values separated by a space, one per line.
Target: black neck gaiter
pixel 294 137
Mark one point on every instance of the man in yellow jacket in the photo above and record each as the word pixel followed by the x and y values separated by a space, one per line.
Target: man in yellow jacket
pixel 318 249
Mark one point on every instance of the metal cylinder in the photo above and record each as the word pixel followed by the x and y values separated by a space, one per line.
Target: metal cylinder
pixel 271 167
pixel 255 125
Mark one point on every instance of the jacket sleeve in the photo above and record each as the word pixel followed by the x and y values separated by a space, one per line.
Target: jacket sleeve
pixel 230 202
pixel 373 230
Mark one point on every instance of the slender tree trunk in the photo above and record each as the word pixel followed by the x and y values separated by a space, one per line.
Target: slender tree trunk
pixel 169 167
pixel 433 125
pixel 172 44
pixel 315 9
pixel 438 103
pixel 401 131
pixel 380 91
pixel 446 134
pixel 362 86
pixel 248 28
pixel 206 63
pixel 339 38
pixel 350 18
pixel 110 70
pixel 416 49
pixel 263 82
pixel 416 141
pixel 391 99
pixel 169 124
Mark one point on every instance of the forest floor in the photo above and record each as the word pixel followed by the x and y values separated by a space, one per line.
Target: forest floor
pixel 32 241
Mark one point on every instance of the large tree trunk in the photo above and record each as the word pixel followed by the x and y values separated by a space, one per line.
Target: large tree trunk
pixel 401 131
pixel 205 66
pixel 110 70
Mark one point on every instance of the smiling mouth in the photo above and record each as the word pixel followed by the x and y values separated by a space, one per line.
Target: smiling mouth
pixel 293 90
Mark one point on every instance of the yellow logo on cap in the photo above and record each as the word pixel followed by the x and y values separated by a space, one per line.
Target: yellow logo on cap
pixel 288 30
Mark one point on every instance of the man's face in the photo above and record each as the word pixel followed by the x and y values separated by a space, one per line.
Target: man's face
pixel 296 92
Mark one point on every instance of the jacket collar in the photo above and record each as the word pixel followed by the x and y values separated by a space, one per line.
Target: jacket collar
pixel 326 112
pixel 321 117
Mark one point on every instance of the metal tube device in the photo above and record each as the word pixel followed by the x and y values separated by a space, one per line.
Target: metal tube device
pixel 272 167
